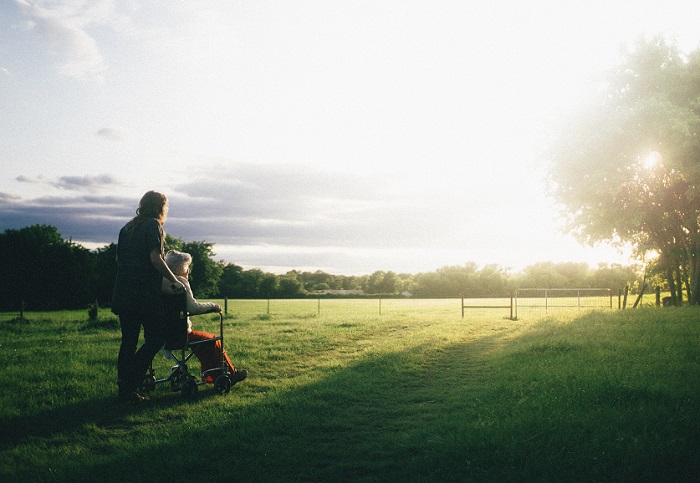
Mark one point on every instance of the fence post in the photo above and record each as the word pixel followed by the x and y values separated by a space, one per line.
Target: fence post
pixel 268 306
pixel 319 306
pixel 511 307
pixel 226 305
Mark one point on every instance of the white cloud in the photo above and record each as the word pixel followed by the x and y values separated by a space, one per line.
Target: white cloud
pixel 113 134
pixel 63 28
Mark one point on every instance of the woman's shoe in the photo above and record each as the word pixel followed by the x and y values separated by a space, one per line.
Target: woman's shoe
pixel 131 398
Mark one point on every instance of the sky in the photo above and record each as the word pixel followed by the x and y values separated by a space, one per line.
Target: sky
pixel 343 136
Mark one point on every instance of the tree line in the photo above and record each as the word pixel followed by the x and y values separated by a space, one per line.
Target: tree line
pixel 45 272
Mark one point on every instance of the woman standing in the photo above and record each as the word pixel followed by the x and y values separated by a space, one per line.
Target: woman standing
pixel 136 298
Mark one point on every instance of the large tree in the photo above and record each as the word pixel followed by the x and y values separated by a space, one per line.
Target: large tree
pixel 627 168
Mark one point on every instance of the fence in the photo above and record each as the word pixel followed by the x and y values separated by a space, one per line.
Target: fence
pixel 487 304
pixel 543 299
pixel 522 300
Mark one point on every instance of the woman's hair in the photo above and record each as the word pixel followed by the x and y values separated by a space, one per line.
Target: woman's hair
pixel 152 205
pixel 178 262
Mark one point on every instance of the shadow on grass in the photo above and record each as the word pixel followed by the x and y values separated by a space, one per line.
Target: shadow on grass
pixel 71 418
pixel 460 412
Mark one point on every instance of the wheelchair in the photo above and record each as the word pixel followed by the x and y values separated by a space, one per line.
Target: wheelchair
pixel 181 379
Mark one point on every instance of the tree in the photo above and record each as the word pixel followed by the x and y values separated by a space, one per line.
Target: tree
pixel 206 273
pixel 614 277
pixel 230 280
pixel 251 281
pixel 44 271
pixel 290 287
pixel 628 168
pixel 106 266
pixel 381 282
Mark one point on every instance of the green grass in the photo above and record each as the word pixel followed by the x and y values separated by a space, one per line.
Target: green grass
pixel 414 394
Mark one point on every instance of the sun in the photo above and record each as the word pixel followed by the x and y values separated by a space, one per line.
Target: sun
pixel 652 160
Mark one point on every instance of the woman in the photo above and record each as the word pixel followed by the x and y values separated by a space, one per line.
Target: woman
pixel 136 298
pixel 210 354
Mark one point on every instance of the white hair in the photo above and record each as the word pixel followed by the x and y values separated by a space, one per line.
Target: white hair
pixel 178 262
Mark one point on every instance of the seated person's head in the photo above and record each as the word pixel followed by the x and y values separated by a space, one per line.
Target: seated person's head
pixel 178 262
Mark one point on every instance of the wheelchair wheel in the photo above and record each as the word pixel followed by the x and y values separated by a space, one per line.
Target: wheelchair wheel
pixel 189 388
pixel 148 384
pixel 223 384
pixel 177 379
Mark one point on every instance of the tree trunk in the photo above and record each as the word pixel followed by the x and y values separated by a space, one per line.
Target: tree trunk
pixel 692 273
pixel 671 282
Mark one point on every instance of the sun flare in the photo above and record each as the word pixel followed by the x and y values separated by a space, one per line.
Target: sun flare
pixel 652 160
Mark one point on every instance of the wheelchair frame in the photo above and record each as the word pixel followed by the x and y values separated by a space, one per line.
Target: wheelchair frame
pixel 180 378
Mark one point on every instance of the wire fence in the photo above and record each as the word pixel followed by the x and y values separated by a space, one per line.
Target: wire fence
pixel 522 302
pixel 540 300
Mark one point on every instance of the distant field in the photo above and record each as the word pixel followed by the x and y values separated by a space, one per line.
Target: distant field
pixel 526 307
pixel 346 394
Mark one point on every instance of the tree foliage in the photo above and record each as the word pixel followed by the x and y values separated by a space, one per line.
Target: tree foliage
pixel 45 271
pixel 627 168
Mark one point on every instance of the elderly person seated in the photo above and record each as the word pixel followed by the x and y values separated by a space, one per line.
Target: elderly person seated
pixel 209 355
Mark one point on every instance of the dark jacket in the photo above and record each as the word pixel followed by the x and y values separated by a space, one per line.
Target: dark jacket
pixel 137 285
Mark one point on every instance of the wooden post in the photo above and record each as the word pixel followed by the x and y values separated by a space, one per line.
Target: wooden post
pixel 511 307
pixel 226 305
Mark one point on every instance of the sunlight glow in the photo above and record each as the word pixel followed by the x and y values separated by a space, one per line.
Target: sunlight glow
pixel 652 160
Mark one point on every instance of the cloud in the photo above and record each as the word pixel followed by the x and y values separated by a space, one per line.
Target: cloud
pixel 306 207
pixel 22 178
pixel 62 28
pixel 8 197
pixel 84 218
pixel 85 182
pixel 281 218
pixel 249 205
pixel 113 134
pixel 74 183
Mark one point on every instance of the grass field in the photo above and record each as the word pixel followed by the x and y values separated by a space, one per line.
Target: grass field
pixel 342 393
